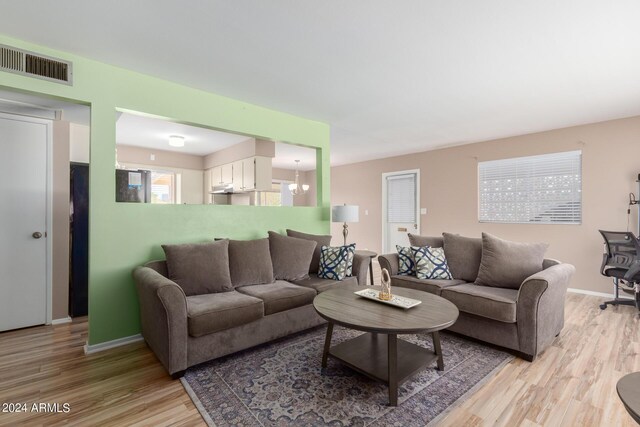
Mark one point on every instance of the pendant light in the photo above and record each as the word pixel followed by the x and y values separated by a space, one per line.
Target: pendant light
pixel 295 188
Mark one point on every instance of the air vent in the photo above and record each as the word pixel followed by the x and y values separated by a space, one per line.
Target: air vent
pixel 27 63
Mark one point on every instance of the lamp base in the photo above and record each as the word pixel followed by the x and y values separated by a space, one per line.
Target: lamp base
pixel 345 232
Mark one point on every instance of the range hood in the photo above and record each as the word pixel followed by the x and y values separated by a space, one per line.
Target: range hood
pixel 222 189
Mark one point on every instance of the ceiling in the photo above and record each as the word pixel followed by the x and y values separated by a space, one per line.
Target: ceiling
pixel 153 133
pixel 388 77
pixel 147 132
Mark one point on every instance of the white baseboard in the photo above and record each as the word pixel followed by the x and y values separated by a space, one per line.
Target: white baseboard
pixel 94 348
pixel 61 321
pixel 597 294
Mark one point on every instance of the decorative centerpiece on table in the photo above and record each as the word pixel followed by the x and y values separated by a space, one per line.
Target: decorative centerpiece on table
pixel 385 291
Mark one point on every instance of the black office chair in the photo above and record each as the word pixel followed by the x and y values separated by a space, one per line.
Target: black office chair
pixel 622 263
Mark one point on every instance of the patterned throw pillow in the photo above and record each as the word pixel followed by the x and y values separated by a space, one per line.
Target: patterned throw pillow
pixel 430 263
pixel 406 266
pixel 333 262
pixel 351 251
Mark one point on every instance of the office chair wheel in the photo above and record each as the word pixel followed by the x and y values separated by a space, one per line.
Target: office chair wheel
pixel 603 306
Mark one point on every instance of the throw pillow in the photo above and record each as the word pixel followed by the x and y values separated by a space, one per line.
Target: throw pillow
pixel 463 256
pixel 333 262
pixel 199 268
pixel 507 264
pixel 290 256
pixel 421 241
pixel 320 240
pixel 431 263
pixel 406 266
pixel 351 253
pixel 250 262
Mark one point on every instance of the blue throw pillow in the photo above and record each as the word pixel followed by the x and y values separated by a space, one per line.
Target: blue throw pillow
pixel 333 262
pixel 406 266
pixel 430 263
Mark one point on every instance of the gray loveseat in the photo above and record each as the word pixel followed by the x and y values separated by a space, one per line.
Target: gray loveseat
pixel 525 318
pixel 185 330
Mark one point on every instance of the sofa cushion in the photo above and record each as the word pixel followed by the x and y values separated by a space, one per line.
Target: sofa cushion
pixel 290 256
pixel 463 255
pixel 494 303
pixel 406 266
pixel 319 239
pixel 506 264
pixel 280 295
pixel 320 285
pixel 434 242
pixel 250 262
pixel 199 268
pixel 211 313
pixel 431 263
pixel 433 286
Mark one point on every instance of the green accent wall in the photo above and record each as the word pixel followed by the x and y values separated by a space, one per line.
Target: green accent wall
pixel 124 235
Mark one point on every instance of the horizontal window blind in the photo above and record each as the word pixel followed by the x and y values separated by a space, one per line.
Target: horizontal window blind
pixel 544 189
pixel 401 198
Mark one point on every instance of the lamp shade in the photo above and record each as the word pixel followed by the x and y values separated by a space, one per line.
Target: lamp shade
pixel 345 213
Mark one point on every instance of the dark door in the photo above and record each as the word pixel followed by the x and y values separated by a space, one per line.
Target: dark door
pixel 79 241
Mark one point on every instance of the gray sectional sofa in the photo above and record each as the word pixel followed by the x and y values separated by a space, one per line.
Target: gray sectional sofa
pixel 524 315
pixel 187 328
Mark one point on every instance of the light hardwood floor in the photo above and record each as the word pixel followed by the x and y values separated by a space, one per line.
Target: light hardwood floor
pixel 572 383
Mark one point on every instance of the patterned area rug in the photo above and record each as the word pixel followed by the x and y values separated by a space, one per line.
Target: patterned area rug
pixel 282 384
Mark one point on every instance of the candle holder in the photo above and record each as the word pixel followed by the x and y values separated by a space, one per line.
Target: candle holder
pixel 385 292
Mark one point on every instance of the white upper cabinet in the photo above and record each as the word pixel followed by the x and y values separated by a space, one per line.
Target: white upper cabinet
pixel 248 173
pixel 216 176
pixel 252 173
pixel 227 173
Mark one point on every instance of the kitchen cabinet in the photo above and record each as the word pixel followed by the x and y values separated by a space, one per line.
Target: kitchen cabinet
pixel 248 173
pixel 216 176
pixel 226 172
pixel 252 173
pixel 238 183
pixel 263 174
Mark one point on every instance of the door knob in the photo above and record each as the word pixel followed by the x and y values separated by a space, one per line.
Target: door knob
pixel 37 235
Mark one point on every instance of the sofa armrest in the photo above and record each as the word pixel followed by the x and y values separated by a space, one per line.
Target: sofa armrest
pixel 540 307
pixel 390 262
pixel 361 268
pixel 163 316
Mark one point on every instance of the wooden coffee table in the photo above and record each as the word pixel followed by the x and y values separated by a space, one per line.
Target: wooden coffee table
pixel 379 354
pixel 629 391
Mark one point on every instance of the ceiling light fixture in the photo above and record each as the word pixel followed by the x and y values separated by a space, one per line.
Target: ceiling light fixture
pixel 295 187
pixel 176 141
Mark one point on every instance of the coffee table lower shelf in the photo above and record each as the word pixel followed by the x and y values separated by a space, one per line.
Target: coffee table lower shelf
pixel 383 358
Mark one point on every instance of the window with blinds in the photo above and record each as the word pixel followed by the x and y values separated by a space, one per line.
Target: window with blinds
pixel 544 189
pixel 401 198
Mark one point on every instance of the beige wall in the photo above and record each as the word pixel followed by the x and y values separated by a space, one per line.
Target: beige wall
pixel 60 220
pixel 79 141
pixel 142 156
pixel 449 187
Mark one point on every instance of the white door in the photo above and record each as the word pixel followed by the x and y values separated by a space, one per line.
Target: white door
pixel 401 205
pixel 23 221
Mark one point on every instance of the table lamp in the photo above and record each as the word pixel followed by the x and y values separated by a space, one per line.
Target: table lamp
pixel 345 213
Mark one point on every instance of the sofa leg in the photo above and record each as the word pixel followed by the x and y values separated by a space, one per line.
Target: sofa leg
pixel 178 375
pixel 528 357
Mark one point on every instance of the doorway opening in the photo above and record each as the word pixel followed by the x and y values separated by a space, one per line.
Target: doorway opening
pixel 43 140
